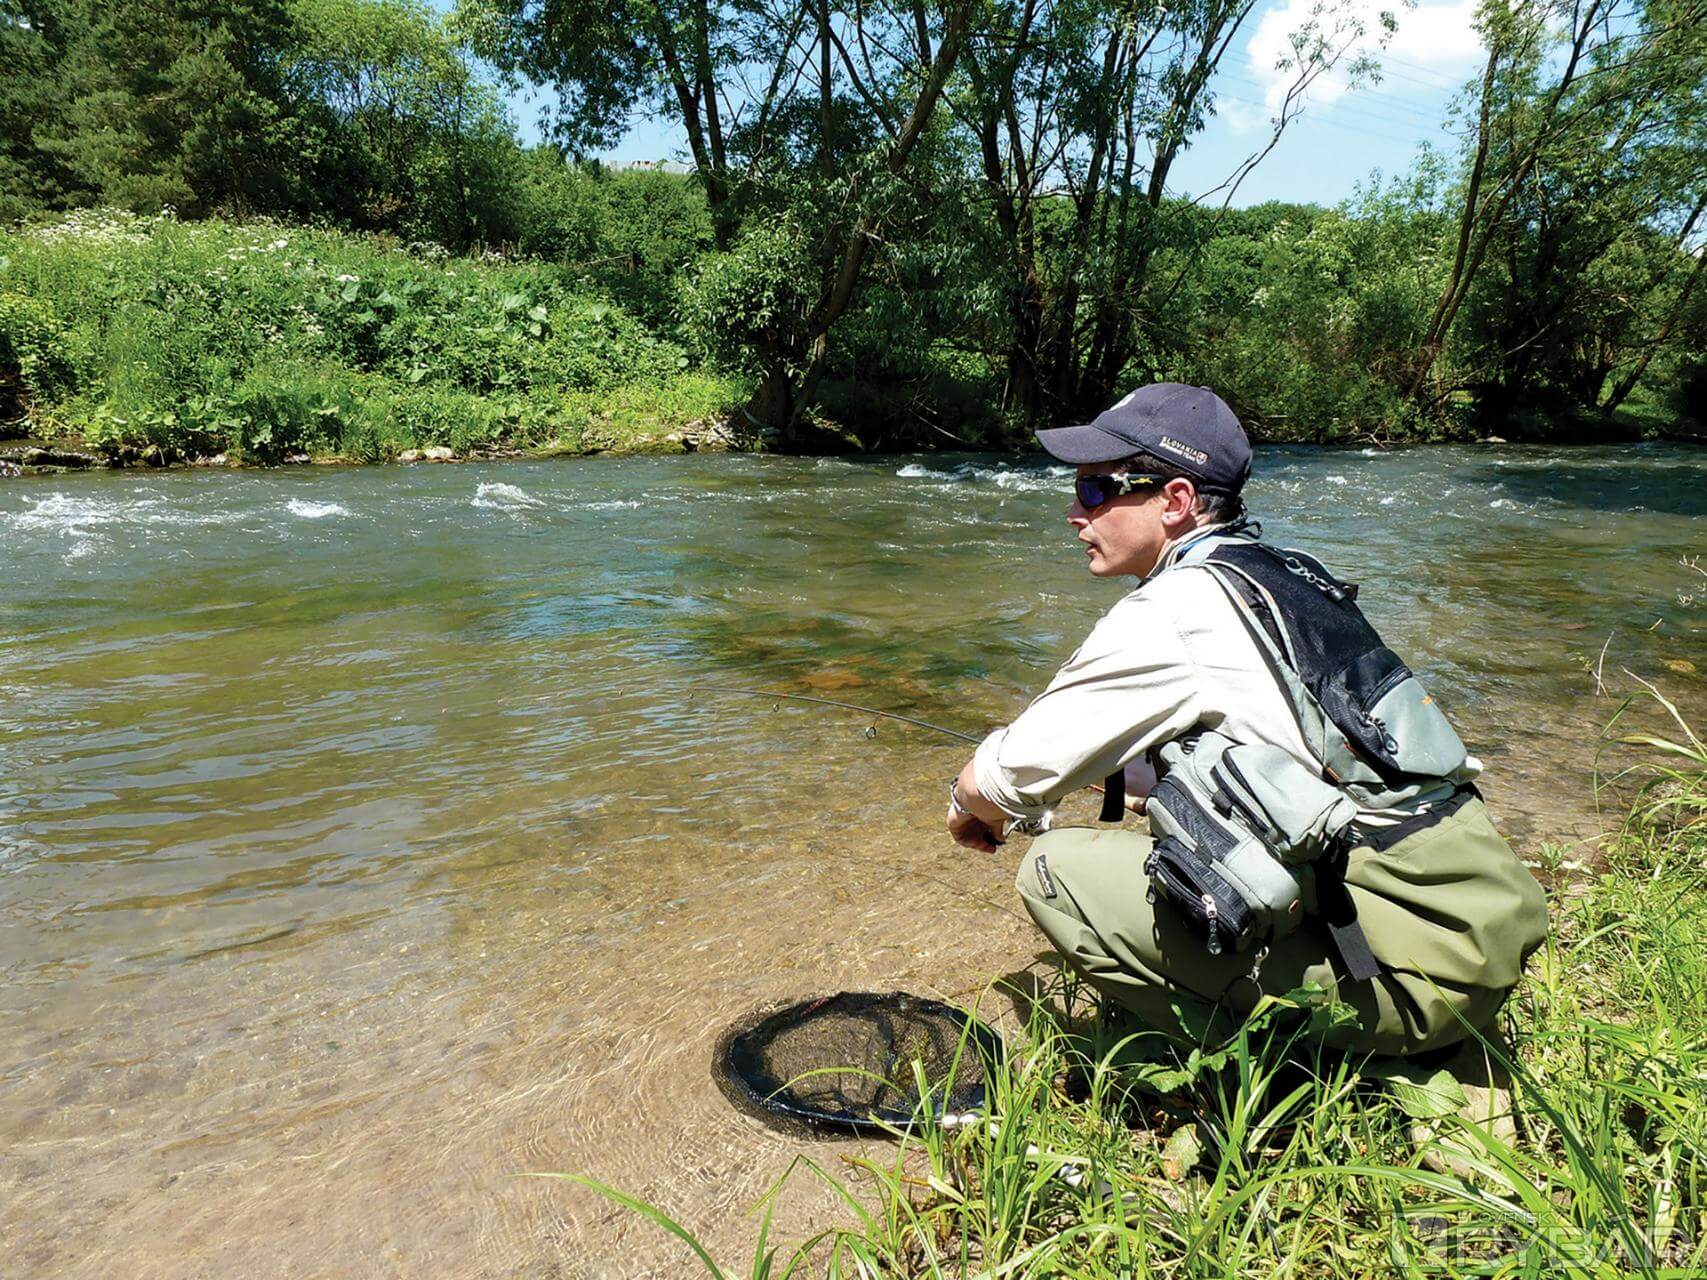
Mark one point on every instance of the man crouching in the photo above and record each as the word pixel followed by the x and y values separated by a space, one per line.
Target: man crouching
pixel 1312 814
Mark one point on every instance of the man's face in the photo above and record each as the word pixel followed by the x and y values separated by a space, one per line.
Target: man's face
pixel 1125 536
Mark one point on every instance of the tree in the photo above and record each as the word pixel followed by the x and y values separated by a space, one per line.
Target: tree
pixel 685 59
pixel 1590 149
pixel 1079 112
pixel 419 140
pixel 34 35
pixel 170 102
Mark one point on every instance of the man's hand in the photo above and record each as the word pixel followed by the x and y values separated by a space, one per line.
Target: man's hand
pixel 972 831
pixel 973 821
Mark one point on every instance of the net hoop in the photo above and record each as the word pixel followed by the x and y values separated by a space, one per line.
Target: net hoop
pixel 958 1053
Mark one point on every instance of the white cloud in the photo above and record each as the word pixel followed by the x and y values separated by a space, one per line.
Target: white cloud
pixel 1435 39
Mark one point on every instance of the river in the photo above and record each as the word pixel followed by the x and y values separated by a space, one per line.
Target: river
pixel 368 837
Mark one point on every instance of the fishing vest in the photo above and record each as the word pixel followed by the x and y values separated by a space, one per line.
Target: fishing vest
pixel 1244 832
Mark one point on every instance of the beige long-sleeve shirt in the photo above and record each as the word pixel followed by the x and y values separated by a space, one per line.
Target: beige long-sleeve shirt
pixel 1173 655
pixel 1170 656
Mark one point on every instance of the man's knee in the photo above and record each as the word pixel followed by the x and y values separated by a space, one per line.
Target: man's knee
pixel 1070 865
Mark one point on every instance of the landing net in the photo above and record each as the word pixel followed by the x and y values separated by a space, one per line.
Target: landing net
pixel 847 1061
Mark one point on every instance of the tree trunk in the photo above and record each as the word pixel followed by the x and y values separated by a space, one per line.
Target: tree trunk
pixel 1625 385
pixel 1431 343
pixel 705 141
pixel 770 407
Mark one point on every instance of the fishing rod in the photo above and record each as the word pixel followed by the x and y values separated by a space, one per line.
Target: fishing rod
pixel 845 706
pixel 871 730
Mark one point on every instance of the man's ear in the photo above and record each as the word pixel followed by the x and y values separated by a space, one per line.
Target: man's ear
pixel 1180 497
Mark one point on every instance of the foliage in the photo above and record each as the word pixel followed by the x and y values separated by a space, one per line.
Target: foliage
pixel 412 138
pixel 265 341
pixel 156 103
pixel 948 223
pixel 749 305
pixel 1265 1155
pixel 368 112
pixel 1278 295
pixel 35 357
pixel 634 233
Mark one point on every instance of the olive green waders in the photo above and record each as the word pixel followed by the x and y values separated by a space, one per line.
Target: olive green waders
pixel 1449 911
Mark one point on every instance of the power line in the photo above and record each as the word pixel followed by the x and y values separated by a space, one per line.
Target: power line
pixel 1442 76
pixel 1396 114
pixel 1332 124
pixel 1435 87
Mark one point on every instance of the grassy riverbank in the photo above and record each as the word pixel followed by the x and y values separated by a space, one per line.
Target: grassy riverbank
pixel 151 339
pixel 1265 1157
pixel 263 342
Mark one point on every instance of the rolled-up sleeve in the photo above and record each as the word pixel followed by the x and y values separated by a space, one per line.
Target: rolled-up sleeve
pixel 1131 685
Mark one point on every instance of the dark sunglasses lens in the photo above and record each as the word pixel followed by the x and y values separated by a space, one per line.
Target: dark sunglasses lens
pixel 1092 491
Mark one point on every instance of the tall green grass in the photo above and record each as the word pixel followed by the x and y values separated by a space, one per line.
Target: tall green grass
pixel 1268 1156
pixel 263 340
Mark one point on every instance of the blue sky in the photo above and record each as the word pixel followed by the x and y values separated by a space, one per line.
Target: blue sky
pixel 1345 132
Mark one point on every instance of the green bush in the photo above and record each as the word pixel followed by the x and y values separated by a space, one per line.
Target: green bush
pixel 35 358
pixel 1308 325
pixel 747 307
pixel 264 341
pixel 630 235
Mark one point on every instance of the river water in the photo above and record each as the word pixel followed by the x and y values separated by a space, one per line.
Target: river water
pixel 369 838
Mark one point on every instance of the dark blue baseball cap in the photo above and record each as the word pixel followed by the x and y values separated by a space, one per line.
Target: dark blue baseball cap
pixel 1191 427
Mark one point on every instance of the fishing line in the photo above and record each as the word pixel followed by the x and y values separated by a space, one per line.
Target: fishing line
pixel 845 706
pixel 853 706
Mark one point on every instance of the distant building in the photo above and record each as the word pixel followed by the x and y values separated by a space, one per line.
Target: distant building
pixel 660 166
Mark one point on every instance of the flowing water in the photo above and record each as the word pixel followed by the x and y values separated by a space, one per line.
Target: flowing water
pixel 370 839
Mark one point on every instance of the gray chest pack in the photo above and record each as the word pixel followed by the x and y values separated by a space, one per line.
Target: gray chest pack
pixel 1249 840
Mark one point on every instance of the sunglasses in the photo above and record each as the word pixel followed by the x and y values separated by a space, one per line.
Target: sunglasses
pixel 1093 491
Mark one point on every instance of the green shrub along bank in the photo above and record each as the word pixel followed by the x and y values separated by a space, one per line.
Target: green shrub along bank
pixel 261 341
pixel 1265 1156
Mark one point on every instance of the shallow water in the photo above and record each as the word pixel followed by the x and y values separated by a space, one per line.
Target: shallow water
pixel 368 838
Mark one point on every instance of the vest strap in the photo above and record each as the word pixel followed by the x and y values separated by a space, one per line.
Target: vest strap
pixel 1339 913
pixel 1113 797
pixel 1353 946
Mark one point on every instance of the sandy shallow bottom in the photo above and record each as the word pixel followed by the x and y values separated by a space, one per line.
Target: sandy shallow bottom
pixel 367 1103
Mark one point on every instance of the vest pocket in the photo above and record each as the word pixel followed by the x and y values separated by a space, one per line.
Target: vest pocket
pixel 1210 906
pixel 1296 814
pixel 1222 879
pixel 1383 709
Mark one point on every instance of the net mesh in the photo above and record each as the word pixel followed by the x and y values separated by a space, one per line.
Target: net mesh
pixel 846 1061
